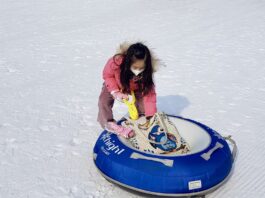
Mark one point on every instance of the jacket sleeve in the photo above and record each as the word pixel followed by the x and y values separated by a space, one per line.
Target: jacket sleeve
pixel 150 103
pixel 109 76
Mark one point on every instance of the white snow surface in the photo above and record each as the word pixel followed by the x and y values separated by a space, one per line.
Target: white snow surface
pixel 51 58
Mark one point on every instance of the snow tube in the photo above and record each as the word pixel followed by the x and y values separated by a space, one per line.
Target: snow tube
pixel 206 167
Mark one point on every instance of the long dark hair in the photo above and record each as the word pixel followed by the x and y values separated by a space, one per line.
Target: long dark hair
pixel 137 51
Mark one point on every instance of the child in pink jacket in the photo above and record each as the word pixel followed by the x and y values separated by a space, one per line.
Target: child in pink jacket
pixel 131 68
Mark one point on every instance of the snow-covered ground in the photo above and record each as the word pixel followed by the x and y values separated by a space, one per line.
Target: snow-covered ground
pixel 51 58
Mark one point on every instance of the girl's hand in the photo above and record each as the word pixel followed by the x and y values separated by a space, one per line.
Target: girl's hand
pixel 120 96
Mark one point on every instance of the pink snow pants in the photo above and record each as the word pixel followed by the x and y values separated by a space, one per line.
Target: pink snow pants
pixel 105 104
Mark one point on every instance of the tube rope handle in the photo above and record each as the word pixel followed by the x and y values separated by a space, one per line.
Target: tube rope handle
pixel 233 142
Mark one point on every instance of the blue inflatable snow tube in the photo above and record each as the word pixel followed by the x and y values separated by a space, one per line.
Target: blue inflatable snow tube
pixel 204 169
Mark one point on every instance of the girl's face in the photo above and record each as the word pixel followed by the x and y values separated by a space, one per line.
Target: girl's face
pixel 138 64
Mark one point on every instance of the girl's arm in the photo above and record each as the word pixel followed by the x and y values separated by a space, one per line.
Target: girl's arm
pixel 150 103
pixel 109 76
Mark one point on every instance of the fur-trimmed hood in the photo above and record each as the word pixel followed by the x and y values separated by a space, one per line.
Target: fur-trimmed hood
pixel 123 47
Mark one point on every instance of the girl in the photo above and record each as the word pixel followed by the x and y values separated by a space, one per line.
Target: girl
pixel 131 68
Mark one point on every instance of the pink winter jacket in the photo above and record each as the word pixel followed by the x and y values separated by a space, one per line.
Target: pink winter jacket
pixel 111 76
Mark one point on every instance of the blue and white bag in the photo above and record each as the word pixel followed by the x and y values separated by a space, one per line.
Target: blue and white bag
pixel 160 136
